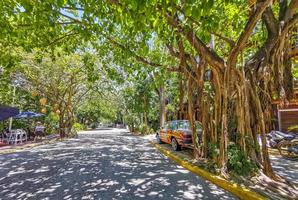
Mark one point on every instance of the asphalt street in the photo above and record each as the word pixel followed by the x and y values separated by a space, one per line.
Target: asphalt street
pixel 103 164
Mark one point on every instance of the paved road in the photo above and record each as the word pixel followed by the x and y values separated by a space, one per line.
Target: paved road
pixel 285 168
pixel 105 164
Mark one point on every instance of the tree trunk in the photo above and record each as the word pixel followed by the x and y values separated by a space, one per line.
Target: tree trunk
pixel 181 98
pixel 62 129
pixel 223 145
pixel 162 106
pixel 196 150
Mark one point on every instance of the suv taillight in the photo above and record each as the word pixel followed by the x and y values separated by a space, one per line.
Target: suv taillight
pixel 186 135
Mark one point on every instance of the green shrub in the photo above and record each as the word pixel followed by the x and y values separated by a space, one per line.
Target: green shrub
pixel 51 123
pixel 145 129
pixel 213 150
pixel 239 162
pixel 132 121
pixel 211 166
pixel 78 127
pixel 93 126
pixel 213 153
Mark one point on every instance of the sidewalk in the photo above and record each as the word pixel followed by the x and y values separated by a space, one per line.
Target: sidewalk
pixel 285 168
pixel 7 148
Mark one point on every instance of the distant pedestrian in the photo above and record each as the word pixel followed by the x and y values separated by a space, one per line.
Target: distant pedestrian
pixel 38 131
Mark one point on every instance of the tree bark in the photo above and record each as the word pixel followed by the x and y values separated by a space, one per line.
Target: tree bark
pixel 196 150
pixel 162 106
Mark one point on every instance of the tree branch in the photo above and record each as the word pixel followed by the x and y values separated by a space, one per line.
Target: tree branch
pixel 249 27
pixel 73 8
pixel 62 37
pixel 183 56
pixel 291 10
pixel 272 27
pixel 270 21
pixel 290 24
pixel 224 38
pixel 140 58
pixel 71 18
pixel 56 23
pixel 172 51
pixel 154 84
pixel 293 53
pixel 210 56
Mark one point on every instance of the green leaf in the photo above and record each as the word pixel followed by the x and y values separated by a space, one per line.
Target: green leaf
pixel 61 2
pixel 155 22
pixel 196 13
pixel 188 10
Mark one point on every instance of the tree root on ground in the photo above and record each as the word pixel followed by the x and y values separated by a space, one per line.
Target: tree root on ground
pixel 280 186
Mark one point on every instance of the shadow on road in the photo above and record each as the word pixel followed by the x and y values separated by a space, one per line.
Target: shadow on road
pixel 101 165
pixel 285 168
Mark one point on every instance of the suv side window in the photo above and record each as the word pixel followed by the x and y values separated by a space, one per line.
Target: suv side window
pixel 174 125
pixel 168 126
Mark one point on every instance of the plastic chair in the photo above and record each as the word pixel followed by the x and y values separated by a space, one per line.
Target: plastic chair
pixel 15 136
pixel 23 136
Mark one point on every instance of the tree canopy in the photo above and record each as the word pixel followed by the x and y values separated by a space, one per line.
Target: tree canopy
pixel 228 59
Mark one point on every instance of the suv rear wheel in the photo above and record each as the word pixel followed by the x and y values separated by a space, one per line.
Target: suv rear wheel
pixel 175 145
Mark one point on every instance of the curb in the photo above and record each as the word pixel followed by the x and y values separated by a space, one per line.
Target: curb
pixel 237 190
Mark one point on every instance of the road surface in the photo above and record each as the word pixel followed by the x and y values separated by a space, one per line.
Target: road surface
pixel 103 164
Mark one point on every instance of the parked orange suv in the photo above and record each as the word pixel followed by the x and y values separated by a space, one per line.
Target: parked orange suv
pixel 178 134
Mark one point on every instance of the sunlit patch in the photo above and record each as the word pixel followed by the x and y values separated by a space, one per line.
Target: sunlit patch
pixel 121 190
pixel 189 195
pixel 152 193
pixel 151 174
pixel 286 168
pixel 42 169
pixel 136 182
pixel 110 182
pixel 184 171
pixel 87 197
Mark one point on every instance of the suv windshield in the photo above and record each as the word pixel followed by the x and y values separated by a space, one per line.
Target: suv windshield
pixel 183 125
pixel 186 125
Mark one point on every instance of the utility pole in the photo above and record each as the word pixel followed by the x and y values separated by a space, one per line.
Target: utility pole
pixel 16 81
pixel 13 102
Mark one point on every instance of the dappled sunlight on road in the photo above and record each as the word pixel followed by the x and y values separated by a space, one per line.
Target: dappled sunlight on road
pixel 286 168
pixel 106 164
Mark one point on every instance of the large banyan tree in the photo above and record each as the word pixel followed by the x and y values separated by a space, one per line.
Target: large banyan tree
pixel 244 46
pixel 244 77
pixel 247 47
